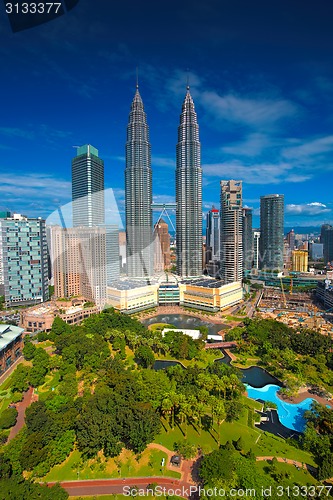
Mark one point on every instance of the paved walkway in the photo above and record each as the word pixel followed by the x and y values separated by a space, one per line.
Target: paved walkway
pixel 301 465
pixel 304 394
pixel 29 397
pixel 116 486
pixel 185 468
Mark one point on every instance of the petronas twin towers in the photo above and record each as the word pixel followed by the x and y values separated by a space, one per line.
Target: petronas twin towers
pixel 138 193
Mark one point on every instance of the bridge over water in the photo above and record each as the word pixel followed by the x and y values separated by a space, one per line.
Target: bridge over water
pixel 219 345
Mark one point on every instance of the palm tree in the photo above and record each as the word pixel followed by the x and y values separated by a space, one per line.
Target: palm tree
pixel 166 406
pixel 220 413
pixel 199 412
pixel 234 383
pixel 185 411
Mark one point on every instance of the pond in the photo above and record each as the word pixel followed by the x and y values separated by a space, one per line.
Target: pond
pixel 259 383
pixel 255 376
pixel 184 321
pixel 162 364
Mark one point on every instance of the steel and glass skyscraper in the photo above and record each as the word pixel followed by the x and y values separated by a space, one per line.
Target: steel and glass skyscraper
pixel 188 193
pixel 138 193
pixel 247 239
pixel 213 235
pixel 87 187
pixel 231 231
pixel 271 231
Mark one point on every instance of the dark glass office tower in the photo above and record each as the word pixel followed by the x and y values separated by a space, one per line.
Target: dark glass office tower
pixel 213 235
pixel 87 187
pixel 247 239
pixel 231 269
pixel 188 193
pixel 326 238
pixel 138 193
pixel 271 232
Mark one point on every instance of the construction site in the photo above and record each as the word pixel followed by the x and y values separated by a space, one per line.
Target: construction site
pixel 295 309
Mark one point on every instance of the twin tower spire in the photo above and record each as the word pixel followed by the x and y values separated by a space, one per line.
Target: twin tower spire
pixel 138 193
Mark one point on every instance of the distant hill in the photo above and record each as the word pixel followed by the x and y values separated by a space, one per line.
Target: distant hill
pixel 303 229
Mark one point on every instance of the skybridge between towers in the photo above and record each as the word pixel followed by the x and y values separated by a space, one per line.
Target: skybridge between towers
pixel 164 208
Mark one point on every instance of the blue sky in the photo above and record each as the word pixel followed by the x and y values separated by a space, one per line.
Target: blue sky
pixel 261 77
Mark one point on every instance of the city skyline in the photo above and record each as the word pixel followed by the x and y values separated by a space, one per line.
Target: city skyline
pixel 264 101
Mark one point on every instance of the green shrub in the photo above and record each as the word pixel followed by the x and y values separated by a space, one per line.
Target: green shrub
pixel 8 418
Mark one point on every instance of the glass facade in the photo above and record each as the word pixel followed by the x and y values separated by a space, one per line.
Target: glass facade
pixel 271 231
pixel 188 193
pixel 25 262
pixel 88 187
pixel 138 193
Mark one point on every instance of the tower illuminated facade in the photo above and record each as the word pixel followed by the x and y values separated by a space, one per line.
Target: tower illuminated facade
pixel 188 193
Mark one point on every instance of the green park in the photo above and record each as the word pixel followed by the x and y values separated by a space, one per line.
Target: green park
pixel 102 411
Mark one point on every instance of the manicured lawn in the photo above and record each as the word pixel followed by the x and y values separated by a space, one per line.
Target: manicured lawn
pixel 244 362
pixel 51 381
pixel 45 343
pixel 251 403
pixel 127 464
pixel 234 318
pixel 160 326
pixel 205 358
pixel 4 401
pixel 120 497
pixel 296 476
pixel 261 443
pixel 7 383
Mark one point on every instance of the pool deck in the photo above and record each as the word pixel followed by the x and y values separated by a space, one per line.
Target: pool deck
pixel 304 394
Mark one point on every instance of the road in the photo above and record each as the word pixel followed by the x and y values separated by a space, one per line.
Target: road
pixel 117 486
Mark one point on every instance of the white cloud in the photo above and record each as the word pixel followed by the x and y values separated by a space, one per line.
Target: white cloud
pixel 253 145
pixel 250 111
pixel 313 208
pixel 163 161
pixel 261 173
pixel 44 191
pixel 305 150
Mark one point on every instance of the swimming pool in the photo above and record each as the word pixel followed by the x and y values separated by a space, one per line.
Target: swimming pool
pixel 290 415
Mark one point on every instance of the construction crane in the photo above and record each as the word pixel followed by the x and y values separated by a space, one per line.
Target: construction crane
pixel 283 294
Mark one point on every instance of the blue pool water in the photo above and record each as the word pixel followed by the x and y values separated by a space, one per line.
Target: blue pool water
pixel 290 415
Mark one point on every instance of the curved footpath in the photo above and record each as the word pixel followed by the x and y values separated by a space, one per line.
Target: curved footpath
pixel 29 397
pixel 301 465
